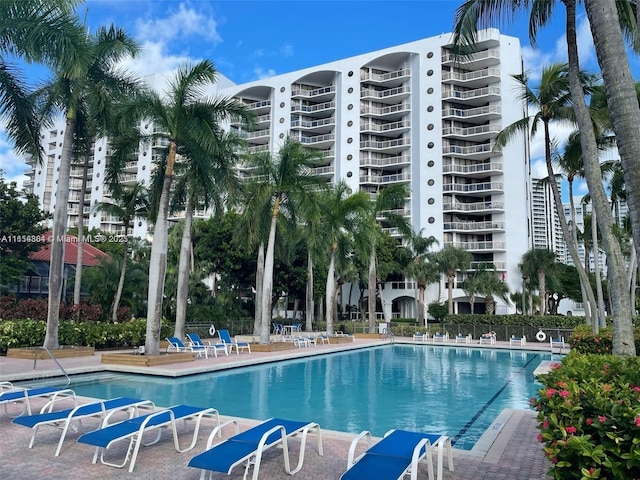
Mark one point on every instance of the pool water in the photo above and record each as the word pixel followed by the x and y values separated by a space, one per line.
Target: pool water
pixel 457 391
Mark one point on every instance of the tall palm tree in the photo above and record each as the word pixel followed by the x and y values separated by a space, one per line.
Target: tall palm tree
pixel 423 269
pixel 383 207
pixel 491 285
pixel 187 117
pixel 338 214
pixel 539 262
pixel 208 180
pixel 605 19
pixel 284 184
pixel 83 92
pixel 42 31
pixel 450 260
pixel 129 203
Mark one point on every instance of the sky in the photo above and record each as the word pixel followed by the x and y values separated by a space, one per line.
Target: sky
pixel 250 40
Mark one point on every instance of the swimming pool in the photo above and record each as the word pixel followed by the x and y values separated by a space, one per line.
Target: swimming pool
pixel 457 391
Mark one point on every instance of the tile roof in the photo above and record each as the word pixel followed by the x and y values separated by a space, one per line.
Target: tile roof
pixel 90 257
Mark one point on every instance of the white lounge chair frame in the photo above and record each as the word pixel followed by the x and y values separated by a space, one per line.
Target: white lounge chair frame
pixel 518 340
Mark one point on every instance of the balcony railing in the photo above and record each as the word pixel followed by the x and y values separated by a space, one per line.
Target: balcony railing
pixel 371 110
pixel 313 124
pixel 381 179
pixel 470 150
pixel 387 161
pixel 384 127
pixel 313 108
pixel 386 144
pixel 472 187
pixel 473 226
pixel 485 54
pixel 468 169
pixel 369 92
pixel 383 77
pixel 470 131
pixel 308 92
pixel 473 207
pixel 471 112
pixel 477 245
pixel 470 94
pixel 468 76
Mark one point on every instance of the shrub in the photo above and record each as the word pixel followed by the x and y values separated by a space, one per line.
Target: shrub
pixel 589 417
pixel 583 341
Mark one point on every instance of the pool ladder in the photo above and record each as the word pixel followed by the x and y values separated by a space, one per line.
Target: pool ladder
pixel 388 334
pixel 35 361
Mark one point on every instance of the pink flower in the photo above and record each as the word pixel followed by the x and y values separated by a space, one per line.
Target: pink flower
pixel 606 387
pixel 532 401
pixel 588 421
pixel 539 437
pixel 564 393
pixel 570 430
pixel 554 460
pixel 550 392
pixel 596 340
pixel 556 366
pixel 602 418
pixel 637 421
pixel 636 389
pixel 561 384
pixel 545 424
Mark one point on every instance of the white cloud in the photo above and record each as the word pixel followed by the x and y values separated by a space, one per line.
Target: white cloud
pixel 286 50
pixel 183 23
pixel 154 59
pixel 13 166
pixel 260 73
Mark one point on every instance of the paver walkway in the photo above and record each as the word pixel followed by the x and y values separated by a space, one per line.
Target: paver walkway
pixel 509 450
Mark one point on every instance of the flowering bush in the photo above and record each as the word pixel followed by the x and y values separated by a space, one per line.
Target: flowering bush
pixel 589 417
pixel 584 341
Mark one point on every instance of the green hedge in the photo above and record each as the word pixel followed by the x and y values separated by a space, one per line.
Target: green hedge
pixel 583 341
pixel 538 321
pixel 589 417
pixel 101 335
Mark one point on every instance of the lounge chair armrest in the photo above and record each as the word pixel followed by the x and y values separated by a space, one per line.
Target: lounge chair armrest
pixel 218 431
pixel 351 459
pixel 48 407
pixel 147 404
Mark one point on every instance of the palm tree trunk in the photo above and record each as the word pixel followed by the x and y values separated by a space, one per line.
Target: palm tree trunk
pixel 633 270
pixel 267 282
pixel 56 263
pixel 184 268
pixel 123 273
pixel 450 291
pixel 622 101
pixel 309 294
pixel 77 285
pixel 329 291
pixel 257 321
pixel 542 284
pixel 623 342
pixel 574 237
pixel 591 309
pixel 596 264
pixel 372 291
pixel 421 317
pixel 158 261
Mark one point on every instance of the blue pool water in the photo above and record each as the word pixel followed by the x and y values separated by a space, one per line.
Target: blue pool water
pixel 456 391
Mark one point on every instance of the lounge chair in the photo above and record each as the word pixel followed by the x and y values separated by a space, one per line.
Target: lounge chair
pixel 18 394
pixel 196 341
pixel 324 338
pixel 396 455
pixel 249 446
pixel 440 337
pixel 557 342
pixel 64 418
pixel 225 338
pixel 462 338
pixel 514 340
pixel 135 428
pixel 176 344
pixel 489 338
pixel 420 337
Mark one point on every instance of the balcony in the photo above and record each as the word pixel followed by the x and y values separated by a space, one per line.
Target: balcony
pixel 478 246
pixel 392 128
pixel 258 149
pixel 385 179
pixel 388 146
pixel 395 161
pixel 320 109
pixel 161 142
pixel 392 112
pixel 476 134
pixel 481 59
pixel 316 141
pixel 499 266
pixel 473 169
pixel 304 91
pixel 477 96
pixel 479 78
pixel 323 125
pixel 386 78
pixel 486 187
pixel 328 171
pixel 473 226
pixel 260 107
pixel 401 212
pixel 258 136
pixel 478 114
pixel 473 151
pixel 475 207
pixel 392 95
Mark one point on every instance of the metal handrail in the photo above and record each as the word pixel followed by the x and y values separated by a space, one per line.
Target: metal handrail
pixel 35 361
pixel 389 335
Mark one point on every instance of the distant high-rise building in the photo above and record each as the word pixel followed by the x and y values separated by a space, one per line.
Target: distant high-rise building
pixel 547 232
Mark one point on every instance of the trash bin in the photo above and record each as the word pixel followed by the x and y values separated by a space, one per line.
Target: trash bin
pixel 382 328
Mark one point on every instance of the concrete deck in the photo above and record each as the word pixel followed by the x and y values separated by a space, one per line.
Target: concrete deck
pixel 508 450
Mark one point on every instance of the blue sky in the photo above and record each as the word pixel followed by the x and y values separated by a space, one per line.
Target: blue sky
pixel 249 40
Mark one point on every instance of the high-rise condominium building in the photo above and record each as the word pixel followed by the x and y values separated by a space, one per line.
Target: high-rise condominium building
pixel 547 232
pixel 411 114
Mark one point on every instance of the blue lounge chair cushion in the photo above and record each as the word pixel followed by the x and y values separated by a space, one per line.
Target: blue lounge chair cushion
pixel 105 436
pixel 376 466
pixel 32 392
pixel 400 443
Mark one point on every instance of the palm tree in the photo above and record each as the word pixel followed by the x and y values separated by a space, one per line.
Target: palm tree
pixel 491 285
pixel 83 92
pixel 188 118
pixel 130 203
pixel 423 269
pixel 383 207
pixel 450 259
pixel 208 179
pixel 539 262
pixel 605 19
pixel 285 185
pixel 339 210
pixel 43 31
pixel 472 286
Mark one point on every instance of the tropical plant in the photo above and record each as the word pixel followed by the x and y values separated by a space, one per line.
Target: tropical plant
pixel 189 119
pixel 129 203
pixel 538 262
pixel 83 92
pixel 490 285
pixel 450 259
pixel 282 186
pixel 423 269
